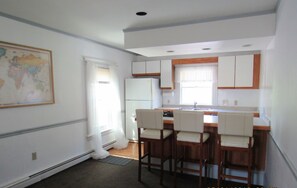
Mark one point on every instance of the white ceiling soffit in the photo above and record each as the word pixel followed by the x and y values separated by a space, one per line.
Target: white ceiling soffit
pixel 254 32
pixel 103 21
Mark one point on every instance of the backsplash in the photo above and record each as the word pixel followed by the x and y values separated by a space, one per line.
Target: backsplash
pixel 238 97
pixel 226 97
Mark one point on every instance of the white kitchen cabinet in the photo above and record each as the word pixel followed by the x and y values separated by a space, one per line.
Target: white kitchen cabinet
pixel 146 68
pixel 239 72
pixel 226 70
pixel 152 67
pixel 138 67
pixel 244 71
pixel 166 75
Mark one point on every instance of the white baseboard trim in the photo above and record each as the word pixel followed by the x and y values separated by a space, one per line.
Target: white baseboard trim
pixel 34 178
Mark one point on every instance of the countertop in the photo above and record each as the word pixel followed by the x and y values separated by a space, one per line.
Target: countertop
pixel 215 109
pixel 212 121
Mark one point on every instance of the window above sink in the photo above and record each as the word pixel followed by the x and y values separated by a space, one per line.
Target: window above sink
pixel 197 83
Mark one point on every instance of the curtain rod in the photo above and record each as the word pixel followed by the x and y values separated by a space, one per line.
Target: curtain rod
pixel 99 61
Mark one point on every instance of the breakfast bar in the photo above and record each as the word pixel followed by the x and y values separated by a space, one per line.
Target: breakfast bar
pixel 261 130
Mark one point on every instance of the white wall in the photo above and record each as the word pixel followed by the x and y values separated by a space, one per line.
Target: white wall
pixel 238 97
pixel 278 98
pixel 58 144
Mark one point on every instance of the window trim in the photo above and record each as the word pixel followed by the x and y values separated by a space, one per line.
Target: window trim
pixel 178 83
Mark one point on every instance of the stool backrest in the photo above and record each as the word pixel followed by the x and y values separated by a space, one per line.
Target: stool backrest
pixel 190 121
pixel 237 124
pixel 150 119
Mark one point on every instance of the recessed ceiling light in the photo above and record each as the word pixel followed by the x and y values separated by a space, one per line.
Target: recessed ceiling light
pixel 246 45
pixel 170 51
pixel 206 48
pixel 141 13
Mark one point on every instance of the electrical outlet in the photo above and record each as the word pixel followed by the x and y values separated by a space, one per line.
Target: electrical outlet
pixel 225 102
pixel 34 156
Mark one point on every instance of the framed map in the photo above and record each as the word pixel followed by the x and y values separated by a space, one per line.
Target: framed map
pixel 26 76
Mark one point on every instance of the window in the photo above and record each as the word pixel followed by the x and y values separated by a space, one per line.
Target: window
pixel 103 102
pixel 197 84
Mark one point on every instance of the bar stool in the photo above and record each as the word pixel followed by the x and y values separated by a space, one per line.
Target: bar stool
pixel 151 121
pixel 189 131
pixel 235 133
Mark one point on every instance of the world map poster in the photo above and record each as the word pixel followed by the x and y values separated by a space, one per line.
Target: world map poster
pixel 26 76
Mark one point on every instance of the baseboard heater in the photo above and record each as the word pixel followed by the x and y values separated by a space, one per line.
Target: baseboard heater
pixel 108 145
pixel 34 178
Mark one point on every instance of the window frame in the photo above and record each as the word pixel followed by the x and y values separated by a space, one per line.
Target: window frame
pixel 214 89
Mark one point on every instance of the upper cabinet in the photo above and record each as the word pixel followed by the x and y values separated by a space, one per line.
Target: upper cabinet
pixel 226 71
pixel 167 75
pixel 239 72
pixel 153 67
pixel 146 68
pixel 244 71
pixel 138 67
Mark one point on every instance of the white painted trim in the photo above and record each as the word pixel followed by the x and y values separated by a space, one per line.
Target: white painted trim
pixel 102 62
pixel 40 128
pixel 288 162
pixel 24 182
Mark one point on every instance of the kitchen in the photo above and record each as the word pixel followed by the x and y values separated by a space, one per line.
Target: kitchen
pixel 274 100
pixel 244 96
pixel 142 89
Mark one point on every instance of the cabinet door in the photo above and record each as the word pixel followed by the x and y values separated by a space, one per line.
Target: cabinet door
pixel 244 71
pixel 226 71
pixel 152 67
pixel 138 67
pixel 166 74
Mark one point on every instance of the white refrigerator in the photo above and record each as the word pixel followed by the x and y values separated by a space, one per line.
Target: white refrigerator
pixel 140 93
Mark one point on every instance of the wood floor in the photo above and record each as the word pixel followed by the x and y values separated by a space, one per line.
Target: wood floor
pixel 130 152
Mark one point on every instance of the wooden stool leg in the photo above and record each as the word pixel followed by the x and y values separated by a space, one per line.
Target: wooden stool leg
pixel 162 162
pixel 249 168
pixel 182 160
pixel 219 167
pixel 170 159
pixel 139 160
pixel 205 172
pixel 175 159
pixel 224 170
pixel 200 168
pixel 149 156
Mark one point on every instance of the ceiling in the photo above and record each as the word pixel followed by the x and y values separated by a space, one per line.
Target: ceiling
pixel 105 21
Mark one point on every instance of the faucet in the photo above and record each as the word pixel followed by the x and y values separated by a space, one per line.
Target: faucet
pixel 195 105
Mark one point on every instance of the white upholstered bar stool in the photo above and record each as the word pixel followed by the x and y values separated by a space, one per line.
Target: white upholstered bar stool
pixel 189 132
pixel 150 129
pixel 235 133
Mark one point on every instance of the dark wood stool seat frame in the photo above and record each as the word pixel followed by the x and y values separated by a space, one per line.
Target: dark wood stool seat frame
pixel 223 163
pixel 179 157
pixel 163 158
pixel 237 127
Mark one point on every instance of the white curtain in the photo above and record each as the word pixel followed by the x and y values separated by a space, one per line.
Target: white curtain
pixel 199 72
pixel 93 129
pixel 121 141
